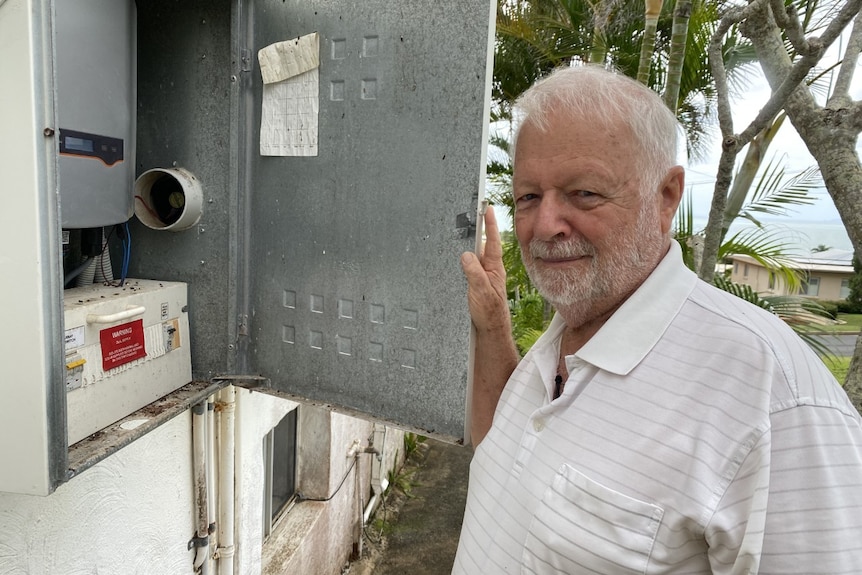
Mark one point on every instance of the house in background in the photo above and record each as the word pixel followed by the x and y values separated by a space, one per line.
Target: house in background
pixel 825 275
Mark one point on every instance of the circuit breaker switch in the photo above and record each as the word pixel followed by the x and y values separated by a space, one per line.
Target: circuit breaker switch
pixel 74 371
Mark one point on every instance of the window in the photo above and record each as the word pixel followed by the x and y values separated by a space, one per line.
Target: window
pixel 745 273
pixel 735 267
pixel 845 289
pixel 771 280
pixel 279 459
pixel 811 287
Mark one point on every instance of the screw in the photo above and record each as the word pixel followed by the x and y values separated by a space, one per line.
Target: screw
pixel 48 132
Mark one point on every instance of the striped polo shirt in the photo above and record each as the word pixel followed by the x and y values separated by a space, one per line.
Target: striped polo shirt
pixel 696 434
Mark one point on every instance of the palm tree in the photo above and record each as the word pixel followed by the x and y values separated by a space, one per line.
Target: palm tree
pixel 537 36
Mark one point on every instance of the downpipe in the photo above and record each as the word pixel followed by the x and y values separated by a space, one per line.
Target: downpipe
pixel 226 407
pixel 200 541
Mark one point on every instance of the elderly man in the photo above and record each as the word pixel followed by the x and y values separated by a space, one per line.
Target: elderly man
pixel 659 425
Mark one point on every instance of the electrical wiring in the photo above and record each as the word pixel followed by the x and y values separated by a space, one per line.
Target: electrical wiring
pixel 127 254
pixel 67 281
pixel 300 497
pixel 104 247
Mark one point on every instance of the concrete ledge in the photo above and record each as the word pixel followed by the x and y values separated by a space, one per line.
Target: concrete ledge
pixel 288 536
pixel 93 449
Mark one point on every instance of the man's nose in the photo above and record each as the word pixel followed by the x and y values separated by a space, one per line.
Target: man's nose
pixel 551 219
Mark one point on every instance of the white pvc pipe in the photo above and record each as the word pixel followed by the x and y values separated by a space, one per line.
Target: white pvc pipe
pixel 369 509
pixel 199 449
pixel 226 495
pixel 210 471
pixel 177 188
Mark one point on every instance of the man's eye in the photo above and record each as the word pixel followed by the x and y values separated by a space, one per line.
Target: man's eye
pixel 525 198
pixel 584 193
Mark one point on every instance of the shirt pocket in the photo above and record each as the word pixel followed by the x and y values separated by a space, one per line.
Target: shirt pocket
pixel 582 526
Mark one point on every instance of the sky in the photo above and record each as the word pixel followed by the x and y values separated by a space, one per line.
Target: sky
pixel 787 147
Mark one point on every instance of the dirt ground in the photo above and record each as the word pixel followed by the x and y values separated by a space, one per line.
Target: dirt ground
pixel 417 533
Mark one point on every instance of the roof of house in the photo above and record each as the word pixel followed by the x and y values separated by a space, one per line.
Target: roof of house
pixel 831 260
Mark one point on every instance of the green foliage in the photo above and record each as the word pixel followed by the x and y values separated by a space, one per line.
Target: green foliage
pixel 801 313
pixel 401 480
pixel 530 317
pixel 849 307
pixel 412 441
pixel 830 307
pixel 774 191
pixel 854 298
pixel 839 366
pixel 537 36
pixel 844 322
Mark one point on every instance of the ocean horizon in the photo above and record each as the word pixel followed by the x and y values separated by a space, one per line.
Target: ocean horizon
pixel 801 236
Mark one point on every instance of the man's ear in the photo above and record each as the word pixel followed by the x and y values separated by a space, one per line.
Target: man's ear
pixel 670 193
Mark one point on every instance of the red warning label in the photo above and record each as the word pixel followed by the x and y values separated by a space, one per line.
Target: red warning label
pixel 122 344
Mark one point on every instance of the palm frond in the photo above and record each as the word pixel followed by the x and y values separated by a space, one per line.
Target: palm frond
pixel 774 192
pixel 742 291
pixel 802 314
pixel 767 247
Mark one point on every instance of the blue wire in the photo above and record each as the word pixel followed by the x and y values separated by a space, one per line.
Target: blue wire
pixel 127 254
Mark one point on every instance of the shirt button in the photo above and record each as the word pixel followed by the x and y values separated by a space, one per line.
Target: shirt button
pixel 539 424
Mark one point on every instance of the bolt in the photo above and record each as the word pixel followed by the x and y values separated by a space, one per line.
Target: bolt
pixel 233 78
pixel 48 132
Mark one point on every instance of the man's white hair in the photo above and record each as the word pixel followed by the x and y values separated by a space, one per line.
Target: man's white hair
pixel 610 100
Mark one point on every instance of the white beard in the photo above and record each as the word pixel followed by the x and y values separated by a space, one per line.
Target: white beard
pixel 613 272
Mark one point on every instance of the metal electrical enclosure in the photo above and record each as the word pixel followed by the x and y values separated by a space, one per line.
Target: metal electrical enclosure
pixel 345 265
pixel 96 76
pixel 332 278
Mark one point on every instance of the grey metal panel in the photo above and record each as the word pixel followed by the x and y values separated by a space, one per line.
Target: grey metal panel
pixel 357 298
pixel 185 119
pixel 95 83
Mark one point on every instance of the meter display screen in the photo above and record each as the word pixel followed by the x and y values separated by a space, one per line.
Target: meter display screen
pixel 82 144
pixel 78 144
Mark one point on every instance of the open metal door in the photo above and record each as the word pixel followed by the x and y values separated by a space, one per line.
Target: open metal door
pixel 355 294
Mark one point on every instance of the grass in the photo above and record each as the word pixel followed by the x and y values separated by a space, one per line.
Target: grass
pixel 838 366
pixel 850 322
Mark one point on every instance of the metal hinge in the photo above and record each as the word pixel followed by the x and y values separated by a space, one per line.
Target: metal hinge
pixel 245 61
pixel 465 223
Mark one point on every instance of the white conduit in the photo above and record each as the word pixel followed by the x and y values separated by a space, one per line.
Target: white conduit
pixel 199 465
pixel 226 496
pixel 210 471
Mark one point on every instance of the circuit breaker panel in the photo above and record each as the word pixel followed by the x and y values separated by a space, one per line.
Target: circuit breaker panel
pixel 125 347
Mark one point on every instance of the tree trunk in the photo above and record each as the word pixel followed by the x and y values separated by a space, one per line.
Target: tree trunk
pixel 830 136
pixel 678 41
pixel 853 383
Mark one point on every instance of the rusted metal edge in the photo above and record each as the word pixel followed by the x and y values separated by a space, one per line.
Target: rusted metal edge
pixel 93 449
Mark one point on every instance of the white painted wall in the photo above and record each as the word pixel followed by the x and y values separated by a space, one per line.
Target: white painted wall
pixel 133 513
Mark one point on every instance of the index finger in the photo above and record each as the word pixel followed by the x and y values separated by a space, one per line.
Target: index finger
pixel 493 245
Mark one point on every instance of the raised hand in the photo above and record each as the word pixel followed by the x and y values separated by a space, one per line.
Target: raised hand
pixel 486 281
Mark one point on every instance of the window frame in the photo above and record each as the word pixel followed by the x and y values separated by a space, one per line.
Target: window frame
pixel 270 516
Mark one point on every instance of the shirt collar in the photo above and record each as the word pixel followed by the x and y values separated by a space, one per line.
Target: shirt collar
pixel 635 328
